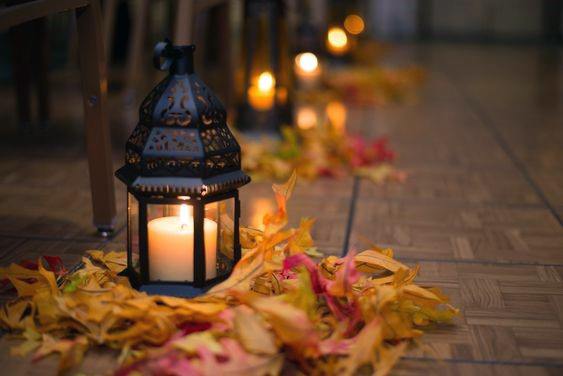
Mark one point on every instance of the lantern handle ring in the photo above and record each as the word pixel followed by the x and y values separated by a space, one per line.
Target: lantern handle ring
pixel 165 50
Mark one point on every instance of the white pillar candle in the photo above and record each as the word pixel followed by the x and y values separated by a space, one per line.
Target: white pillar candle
pixel 171 247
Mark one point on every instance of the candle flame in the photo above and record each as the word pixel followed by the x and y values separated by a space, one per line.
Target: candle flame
pixel 185 215
pixel 337 37
pixel 354 24
pixel 266 81
pixel 307 61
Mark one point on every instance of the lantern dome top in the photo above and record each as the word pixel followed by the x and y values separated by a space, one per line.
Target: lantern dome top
pixel 181 144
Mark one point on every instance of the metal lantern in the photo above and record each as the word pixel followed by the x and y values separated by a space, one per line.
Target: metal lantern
pixel 264 104
pixel 182 171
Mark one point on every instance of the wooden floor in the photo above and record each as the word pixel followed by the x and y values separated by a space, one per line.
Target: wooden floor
pixel 481 212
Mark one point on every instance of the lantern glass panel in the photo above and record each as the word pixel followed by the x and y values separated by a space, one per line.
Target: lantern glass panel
pixel 223 213
pixel 170 242
pixel 133 234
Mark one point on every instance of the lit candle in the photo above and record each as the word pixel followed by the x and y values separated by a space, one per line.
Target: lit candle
pixel 260 207
pixel 337 41
pixel 336 114
pixel 171 247
pixel 306 117
pixel 307 68
pixel 261 96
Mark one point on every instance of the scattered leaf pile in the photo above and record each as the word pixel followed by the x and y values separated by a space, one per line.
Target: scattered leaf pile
pixel 320 151
pixel 375 85
pixel 278 309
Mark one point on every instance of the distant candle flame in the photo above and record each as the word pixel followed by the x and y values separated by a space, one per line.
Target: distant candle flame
pixel 336 114
pixel 307 62
pixel 337 39
pixel 266 81
pixel 306 118
pixel 354 24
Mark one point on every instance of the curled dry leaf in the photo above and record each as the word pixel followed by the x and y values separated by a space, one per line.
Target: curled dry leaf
pixel 331 317
pixel 321 151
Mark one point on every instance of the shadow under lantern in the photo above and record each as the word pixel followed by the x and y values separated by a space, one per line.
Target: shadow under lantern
pixel 182 171
pixel 265 99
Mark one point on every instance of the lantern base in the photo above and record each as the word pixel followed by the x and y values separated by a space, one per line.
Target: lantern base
pixel 172 289
pixel 180 290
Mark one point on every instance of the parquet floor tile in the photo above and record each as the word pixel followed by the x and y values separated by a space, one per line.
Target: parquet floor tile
pixel 481 212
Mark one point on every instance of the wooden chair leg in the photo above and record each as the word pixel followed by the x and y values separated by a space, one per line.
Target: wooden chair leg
pixel 226 56
pixel 134 55
pixel 183 34
pixel 94 88
pixel 110 10
pixel 21 70
pixel 42 69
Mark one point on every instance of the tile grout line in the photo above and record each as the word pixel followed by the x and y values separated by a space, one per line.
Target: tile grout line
pixel 351 215
pixel 486 362
pixel 476 262
pixel 487 123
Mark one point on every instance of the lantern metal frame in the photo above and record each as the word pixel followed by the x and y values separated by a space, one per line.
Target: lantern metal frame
pixel 198 203
pixel 181 152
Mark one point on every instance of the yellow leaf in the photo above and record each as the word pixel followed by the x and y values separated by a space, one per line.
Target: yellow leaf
pixel 252 333
pixel 49 277
pixel 388 357
pixel 201 307
pixel 32 342
pixel 11 314
pixel 291 324
pixel 275 222
pixel 421 292
pixel 363 349
pixel 17 271
pixel 193 342
pixel 71 351
pixel 114 261
pixel 377 259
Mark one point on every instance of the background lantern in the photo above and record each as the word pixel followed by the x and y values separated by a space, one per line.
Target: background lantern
pixel 265 102
pixel 182 173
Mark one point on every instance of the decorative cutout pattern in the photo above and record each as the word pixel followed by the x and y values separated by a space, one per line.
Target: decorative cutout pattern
pixel 139 136
pixel 173 140
pixel 132 157
pixel 217 139
pixel 210 110
pixel 222 163
pixel 147 107
pixel 176 112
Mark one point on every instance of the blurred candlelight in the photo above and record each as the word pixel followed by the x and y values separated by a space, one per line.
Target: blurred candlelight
pixel 261 95
pixel 354 24
pixel 336 114
pixel 306 117
pixel 337 41
pixel 259 208
pixel 266 81
pixel 307 68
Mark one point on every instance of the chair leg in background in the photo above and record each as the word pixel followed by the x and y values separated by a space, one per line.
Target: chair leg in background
pixel 94 87
pixel 41 64
pixel 21 67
